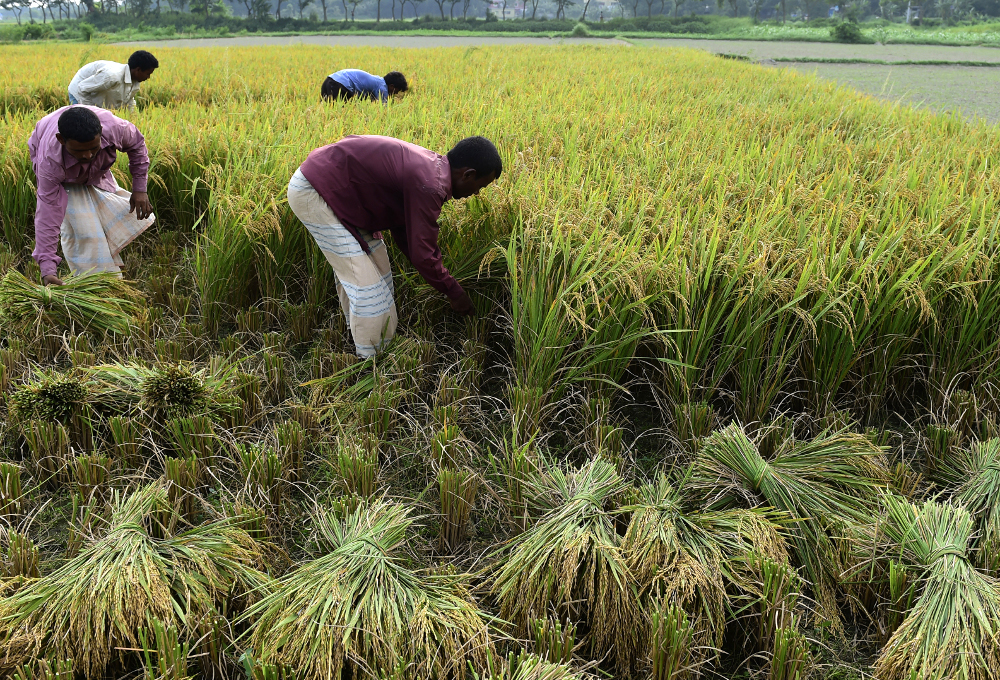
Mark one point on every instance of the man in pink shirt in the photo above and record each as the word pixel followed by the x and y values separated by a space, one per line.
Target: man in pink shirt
pixel 347 193
pixel 79 204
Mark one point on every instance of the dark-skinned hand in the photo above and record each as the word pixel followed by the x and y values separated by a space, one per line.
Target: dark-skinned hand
pixel 140 205
pixel 463 304
pixel 52 280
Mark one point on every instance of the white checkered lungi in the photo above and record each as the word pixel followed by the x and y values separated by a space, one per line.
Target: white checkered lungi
pixel 364 281
pixel 97 226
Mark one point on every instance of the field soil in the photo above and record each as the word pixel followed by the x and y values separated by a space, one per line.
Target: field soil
pixel 968 90
pixel 759 50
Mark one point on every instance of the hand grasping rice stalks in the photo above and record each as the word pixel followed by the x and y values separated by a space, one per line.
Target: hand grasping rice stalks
pixel 95 606
pixel 100 303
pixel 827 487
pixel 953 629
pixel 360 607
pixel 570 561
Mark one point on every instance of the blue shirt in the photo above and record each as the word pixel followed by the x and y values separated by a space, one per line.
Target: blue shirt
pixel 361 83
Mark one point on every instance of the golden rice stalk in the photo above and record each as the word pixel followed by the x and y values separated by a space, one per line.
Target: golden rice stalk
pixel 571 562
pixel 10 491
pixel 94 302
pixel 457 489
pixel 93 608
pixel 360 608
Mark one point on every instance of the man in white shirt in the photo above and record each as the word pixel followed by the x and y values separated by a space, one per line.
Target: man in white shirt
pixel 111 85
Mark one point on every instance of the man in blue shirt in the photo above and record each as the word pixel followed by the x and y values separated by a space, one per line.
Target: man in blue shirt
pixel 352 82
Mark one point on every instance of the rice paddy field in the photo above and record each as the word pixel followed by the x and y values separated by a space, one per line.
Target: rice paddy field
pixel 729 406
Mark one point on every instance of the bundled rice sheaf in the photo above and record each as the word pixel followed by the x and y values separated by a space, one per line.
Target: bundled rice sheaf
pixel 681 554
pixel 827 487
pixel 101 603
pixel 165 391
pixel 174 391
pixel 360 608
pixel 50 397
pixel 571 562
pixel 524 666
pixel 953 629
pixel 976 475
pixel 94 302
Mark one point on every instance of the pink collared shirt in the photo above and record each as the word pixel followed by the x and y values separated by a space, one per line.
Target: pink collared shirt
pixel 55 167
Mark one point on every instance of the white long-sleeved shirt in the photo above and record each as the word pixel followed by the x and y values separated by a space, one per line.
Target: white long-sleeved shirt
pixel 106 84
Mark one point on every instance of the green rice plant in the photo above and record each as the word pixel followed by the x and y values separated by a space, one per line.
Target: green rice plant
pixel 826 486
pixel 941 444
pixel 457 491
pixel 43 669
pixel 247 390
pixel 194 437
pixel 602 436
pixel 127 440
pixel 230 345
pixel 250 519
pixel 93 607
pixel 570 562
pixel 975 476
pixel 357 465
pixel 791 658
pixel 276 343
pixel 554 642
pixel 953 628
pixel 378 411
pixel 183 477
pixel 90 478
pixel 101 303
pixel 962 413
pixel 255 670
pixel 21 558
pixel 179 304
pixel 81 526
pixel 694 422
pixel 291 442
pixel 250 321
pixel 320 618
pixel 448 447
pixel 902 590
pixel 517 465
pixel 49 448
pixel 173 351
pixel 261 470
pixel 670 643
pixel 409 362
pixel 578 312
pixel 778 595
pixel 10 491
pixel 275 379
pixel 307 419
pixel 324 363
pixel 681 554
pixel 301 322
pixel 171 654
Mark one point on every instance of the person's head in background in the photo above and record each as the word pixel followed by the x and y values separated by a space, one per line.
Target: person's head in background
pixel 395 82
pixel 142 64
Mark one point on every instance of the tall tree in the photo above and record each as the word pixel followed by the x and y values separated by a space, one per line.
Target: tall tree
pixel 677 6
pixel 14 6
pixel 354 6
pixel 585 6
pixel 440 4
pixel 302 4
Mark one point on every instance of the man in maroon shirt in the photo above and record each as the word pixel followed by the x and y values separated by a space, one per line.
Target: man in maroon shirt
pixel 347 193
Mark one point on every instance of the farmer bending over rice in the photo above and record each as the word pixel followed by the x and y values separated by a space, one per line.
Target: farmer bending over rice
pixel 79 203
pixel 352 82
pixel 347 193
pixel 111 85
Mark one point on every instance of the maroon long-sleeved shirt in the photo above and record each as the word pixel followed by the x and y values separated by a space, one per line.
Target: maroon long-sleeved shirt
pixel 375 183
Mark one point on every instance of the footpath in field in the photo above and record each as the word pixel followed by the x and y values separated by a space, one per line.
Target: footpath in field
pixel 374 41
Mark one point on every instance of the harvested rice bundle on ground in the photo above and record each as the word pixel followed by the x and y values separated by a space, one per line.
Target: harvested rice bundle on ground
pixel 826 486
pixel 681 554
pixel 953 629
pixel 571 562
pixel 50 396
pixel 97 605
pixel 361 607
pixel 95 302
pixel 976 475
pixel 524 666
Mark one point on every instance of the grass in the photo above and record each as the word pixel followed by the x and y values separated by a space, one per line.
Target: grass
pixel 724 310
